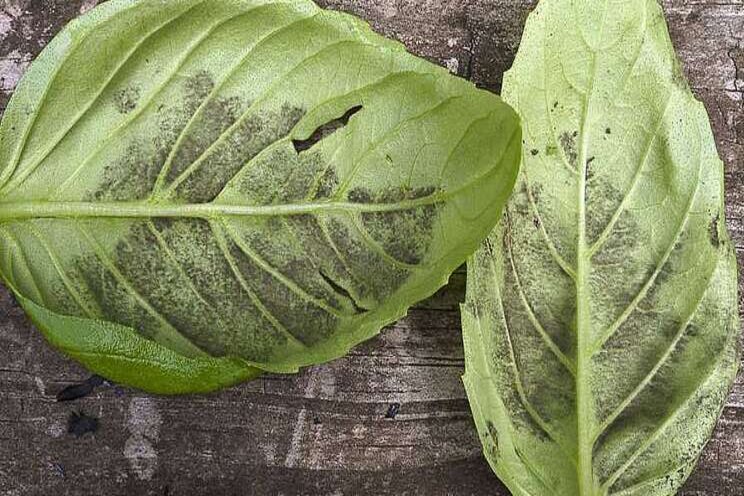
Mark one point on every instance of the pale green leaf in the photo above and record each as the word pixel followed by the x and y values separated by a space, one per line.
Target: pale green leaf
pixel 601 319
pixel 256 181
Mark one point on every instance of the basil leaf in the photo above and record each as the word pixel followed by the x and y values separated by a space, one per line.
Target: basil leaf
pixel 601 317
pixel 209 189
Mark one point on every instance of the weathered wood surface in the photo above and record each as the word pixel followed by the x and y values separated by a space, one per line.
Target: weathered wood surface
pixel 325 432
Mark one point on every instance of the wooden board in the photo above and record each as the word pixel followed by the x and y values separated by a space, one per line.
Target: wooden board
pixel 325 432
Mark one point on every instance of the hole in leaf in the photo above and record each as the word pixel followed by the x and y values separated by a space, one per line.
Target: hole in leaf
pixel 343 292
pixel 326 130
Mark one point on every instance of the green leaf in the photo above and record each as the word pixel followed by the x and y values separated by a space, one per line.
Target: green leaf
pixel 205 189
pixel 601 318
pixel 122 355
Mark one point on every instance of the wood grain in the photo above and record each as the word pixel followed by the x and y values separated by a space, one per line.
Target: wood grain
pixel 327 431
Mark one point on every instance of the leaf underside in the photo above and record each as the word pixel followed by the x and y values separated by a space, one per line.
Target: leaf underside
pixel 601 318
pixel 238 181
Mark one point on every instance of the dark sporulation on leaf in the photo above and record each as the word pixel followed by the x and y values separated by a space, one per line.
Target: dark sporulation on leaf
pixel 536 190
pixel 181 118
pixel 200 85
pixel 305 320
pixel 127 99
pixel 116 302
pixel 326 130
pixel 193 246
pixel 405 235
pixel 327 184
pixel 568 143
pixel 215 116
pixel 133 176
pixel 249 136
pixel 387 278
pixel 147 266
pixel 360 195
pixel 520 202
pixel 715 239
pixel 493 437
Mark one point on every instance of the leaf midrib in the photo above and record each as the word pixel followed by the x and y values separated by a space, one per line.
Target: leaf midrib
pixel 584 401
pixel 10 211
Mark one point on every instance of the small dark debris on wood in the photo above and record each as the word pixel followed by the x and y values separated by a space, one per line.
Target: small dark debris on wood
pixel 80 390
pixel 393 411
pixel 80 424
pixel 58 469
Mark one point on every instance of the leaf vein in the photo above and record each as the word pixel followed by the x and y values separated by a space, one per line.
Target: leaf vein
pixel 11 169
pixel 662 361
pixel 144 105
pixel 562 358
pixel 62 274
pixel 518 376
pixel 273 272
pixel 222 242
pixel 186 277
pixel 215 91
pixel 248 112
pixel 109 265
pixel 375 246
pixel 16 182
pixel 633 185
